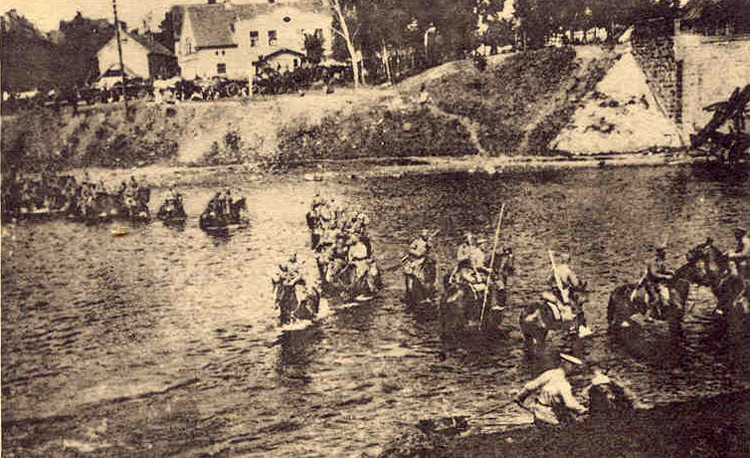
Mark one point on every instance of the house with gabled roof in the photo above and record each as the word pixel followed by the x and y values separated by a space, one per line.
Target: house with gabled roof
pixel 142 57
pixel 235 40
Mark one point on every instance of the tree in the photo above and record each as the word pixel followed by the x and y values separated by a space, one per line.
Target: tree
pixel 384 29
pixel 314 48
pixel 499 33
pixel 345 14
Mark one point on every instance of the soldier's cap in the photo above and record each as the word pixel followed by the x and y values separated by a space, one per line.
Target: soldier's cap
pixel 570 359
pixel 740 230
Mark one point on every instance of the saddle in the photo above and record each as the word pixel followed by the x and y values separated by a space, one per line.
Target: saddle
pixel 560 311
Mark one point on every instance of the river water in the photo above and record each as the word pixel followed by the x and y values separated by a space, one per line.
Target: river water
pixel 165 342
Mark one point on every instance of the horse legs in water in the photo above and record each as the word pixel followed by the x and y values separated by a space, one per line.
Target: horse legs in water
pixel 533 328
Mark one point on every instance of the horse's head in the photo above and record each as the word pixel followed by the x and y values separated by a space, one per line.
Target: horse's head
pixel 710 263
pixel 240 205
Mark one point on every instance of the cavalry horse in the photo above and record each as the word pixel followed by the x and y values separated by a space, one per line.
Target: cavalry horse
pixel 346 284
pixel 631 299
pixel 172 210
pixel 420 281
pixel 291 307
pixel 539 318
pixel 211 221
pixel 729 288
pixel 461 305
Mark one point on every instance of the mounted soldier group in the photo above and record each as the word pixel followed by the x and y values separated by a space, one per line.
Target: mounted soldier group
pixel 55 195
pixel 475 291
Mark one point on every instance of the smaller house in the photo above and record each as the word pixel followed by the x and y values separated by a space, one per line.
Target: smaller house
pixel 142 57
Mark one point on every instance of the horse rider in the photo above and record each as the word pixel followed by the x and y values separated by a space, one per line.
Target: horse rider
pixel 742 254
pixel 364 267
pixel 415 260
pixel 338 258
pixel 358 229
pixel 293 273
pixel 655 281
pixel 554 404
pixel 500 274
pixel 470 262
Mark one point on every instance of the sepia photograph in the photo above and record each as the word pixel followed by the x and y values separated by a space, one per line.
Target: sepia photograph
pixel 375 228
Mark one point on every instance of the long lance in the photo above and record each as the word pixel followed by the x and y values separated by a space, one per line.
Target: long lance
pixel 492 262
pixel 557 276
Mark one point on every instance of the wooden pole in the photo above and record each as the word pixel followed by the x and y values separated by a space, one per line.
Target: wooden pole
pixel 119 52
pixel 492 262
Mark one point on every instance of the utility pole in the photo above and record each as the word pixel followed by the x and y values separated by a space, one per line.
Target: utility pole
pixel 119 51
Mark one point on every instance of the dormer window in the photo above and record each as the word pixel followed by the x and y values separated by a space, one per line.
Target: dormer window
pixel 287 19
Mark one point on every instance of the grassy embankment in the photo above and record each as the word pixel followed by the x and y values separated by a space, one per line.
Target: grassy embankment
pixel 515 107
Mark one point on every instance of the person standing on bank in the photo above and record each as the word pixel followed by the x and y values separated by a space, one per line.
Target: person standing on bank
pixel 555 404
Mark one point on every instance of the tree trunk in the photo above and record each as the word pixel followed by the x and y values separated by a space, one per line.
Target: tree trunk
pixel 336 4
pixel 386 64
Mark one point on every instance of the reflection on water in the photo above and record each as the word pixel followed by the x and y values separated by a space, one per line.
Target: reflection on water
pixel 165 341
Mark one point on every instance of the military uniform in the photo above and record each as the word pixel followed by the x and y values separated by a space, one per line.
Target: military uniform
pixel 363 265
pixel 470 260
pixel 741 256
pixel 554 403
pixel 657 276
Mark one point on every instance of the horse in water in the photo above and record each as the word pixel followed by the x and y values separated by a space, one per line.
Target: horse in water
pixel 217 220
pixel 730 289
pixel 462 305
pixel 420 280
pixel 296 302
pixel 630 299
pixel 539 318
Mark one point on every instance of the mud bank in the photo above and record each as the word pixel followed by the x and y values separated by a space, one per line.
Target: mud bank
pixel 712 427
pixel 373 168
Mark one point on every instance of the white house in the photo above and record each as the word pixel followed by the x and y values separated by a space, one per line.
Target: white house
pixel 141 56
pixel 234 39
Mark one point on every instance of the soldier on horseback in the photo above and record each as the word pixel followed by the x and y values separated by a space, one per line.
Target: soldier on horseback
pixel 565 295
pixel 416 260
pixel 656 280
pixel 364 267
pixel 741 256
pixel 338 258
pixel 470 264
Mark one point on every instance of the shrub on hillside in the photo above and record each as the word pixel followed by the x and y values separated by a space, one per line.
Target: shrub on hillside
pixel 505 99
pixel 378 132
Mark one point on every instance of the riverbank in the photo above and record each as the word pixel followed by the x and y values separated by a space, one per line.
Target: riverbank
pixel 717 426
pixel 516 108
pixel 372 168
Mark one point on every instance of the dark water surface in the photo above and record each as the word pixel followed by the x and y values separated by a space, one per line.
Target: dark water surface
pixel 164 342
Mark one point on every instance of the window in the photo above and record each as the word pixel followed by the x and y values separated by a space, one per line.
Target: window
pixel 296 63
pixel 221 68
pixel 253 38
pixel 272 37
pixel 188 46
pixel 319 33
pixel 287 19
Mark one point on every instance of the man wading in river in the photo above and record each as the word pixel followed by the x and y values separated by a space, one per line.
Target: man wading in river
pixel 555 404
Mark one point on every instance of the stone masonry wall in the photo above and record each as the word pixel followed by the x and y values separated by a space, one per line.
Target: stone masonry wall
pixel 712 68
pixel 653 48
